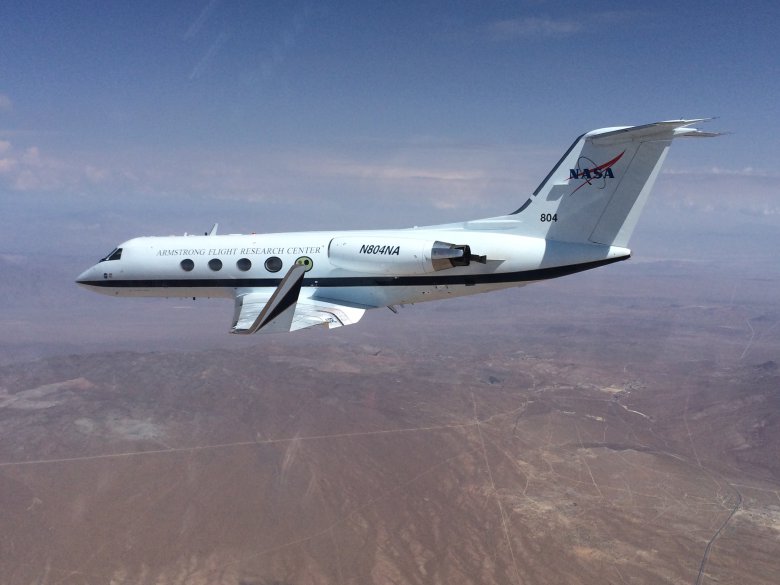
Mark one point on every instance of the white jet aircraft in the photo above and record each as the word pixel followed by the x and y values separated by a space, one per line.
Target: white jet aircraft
pixel 580 217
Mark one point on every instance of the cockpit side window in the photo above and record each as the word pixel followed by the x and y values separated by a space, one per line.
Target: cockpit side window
pixel 115 254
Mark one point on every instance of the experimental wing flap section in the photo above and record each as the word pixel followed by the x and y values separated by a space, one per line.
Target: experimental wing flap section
pixel 313 311
pixel 286 310
pixel 248 307
pixel 276 315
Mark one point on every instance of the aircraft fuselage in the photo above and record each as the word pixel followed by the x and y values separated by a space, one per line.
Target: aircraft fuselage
pixel 378 268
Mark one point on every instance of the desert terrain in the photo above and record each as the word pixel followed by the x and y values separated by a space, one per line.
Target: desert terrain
pixel 620 426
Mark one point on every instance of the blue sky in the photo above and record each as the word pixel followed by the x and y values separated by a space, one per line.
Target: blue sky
pixel 121 119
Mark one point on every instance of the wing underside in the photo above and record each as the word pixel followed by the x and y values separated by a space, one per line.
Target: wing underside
pixel 287 309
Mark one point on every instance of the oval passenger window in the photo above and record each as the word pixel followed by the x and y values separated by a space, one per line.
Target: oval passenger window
pixel 273 264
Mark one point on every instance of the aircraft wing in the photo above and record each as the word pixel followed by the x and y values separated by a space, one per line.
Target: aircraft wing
pixel 313 311
pixel 286 309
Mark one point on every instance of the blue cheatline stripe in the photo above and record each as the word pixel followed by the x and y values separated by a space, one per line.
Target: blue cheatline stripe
pixel 348 281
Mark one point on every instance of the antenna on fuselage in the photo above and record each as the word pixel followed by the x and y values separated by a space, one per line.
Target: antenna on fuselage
pixel 213 231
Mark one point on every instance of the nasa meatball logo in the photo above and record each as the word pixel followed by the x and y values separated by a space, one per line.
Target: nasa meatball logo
pixel 591 173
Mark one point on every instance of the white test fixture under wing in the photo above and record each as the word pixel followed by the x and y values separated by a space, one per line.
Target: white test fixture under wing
pixel 580 217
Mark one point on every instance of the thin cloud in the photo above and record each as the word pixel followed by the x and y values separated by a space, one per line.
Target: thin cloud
pixel 215 47
pixel 6 105
pixel 747 190
pixel 201 20
pixel 764 211
pixel 277 53
pixel 30 170
pixel 440 177
pixel 400 173
pixel 545 27
pixel 750 172
pixel 7 166
pixel 531 27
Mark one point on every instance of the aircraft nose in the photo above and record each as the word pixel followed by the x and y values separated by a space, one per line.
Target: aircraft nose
pixel 84 279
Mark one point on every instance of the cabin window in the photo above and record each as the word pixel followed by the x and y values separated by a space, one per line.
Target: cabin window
pixel 187 265
pixel 215 264
pixel 244 264
pixel 273 264
pixel 114 254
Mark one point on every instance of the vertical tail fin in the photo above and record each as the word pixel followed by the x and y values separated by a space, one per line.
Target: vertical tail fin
pixel 598 189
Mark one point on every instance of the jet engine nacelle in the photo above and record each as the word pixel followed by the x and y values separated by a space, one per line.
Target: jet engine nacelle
pixel 397 256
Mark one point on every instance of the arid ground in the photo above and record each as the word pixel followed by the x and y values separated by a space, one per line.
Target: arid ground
pixel 621 426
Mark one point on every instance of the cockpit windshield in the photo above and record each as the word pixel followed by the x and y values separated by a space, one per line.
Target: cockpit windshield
pixel 114 254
